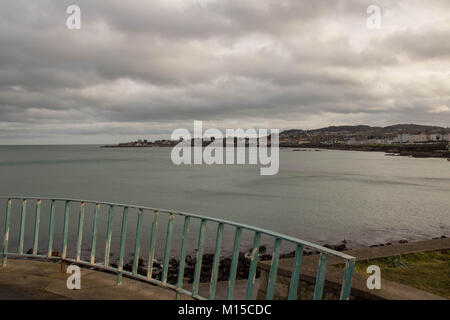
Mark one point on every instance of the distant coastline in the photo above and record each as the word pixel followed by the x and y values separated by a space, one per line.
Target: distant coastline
pixel 418 141
pixel 423 150
pixel 142 144
pixel 429 150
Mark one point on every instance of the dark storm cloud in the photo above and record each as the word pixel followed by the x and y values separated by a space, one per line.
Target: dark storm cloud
pixel 143 68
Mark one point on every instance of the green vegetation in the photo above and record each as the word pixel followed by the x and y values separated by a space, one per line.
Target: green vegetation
pixel 427 271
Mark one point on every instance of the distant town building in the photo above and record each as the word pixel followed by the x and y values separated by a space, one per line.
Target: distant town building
pixel 403 138
pixel 303 140
pixel 447 137
pixel 436 137
pixel 419 138
pixel 316 139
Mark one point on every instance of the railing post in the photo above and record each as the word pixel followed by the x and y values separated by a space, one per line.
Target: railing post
pixel 151 254
pixel 6 236
pixel 36 227
pixel 320 277
pixel 253 266
pixel 234 263
pixel 94 233
pixel 198 263
pixel 108 236
pixel 51 227
pixel 273 270
pixel 216 263
pixel 347 282
pixel 137 242
pixel 65 235
pixel 123 237
pixel 80 231
pixel 187 221
pixel 293 287
pixel 167 250
pixel 22 225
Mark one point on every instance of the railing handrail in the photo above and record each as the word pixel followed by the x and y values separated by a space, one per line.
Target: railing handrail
pixel 187 214
pixel 252 271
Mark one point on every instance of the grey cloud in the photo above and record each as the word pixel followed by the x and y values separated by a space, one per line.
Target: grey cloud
pixel 146 67
pixel 422 44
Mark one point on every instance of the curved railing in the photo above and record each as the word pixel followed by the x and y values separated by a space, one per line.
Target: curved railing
pixel 98 207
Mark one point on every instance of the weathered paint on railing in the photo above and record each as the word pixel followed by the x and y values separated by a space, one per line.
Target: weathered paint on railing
pixel 178 287
pixel 37 222
pixel 253 266
pixel 296 272
pixel 320 277
pixel 94 233
pixel 234 263
pixel 347 282
pixel 273 269
pixel 137 242
pixel 65 230
pixel 187 222
pixel 216 262
pixel 80 231
pixel 123 236
pixel 198 262
pixel 51 229
pixel 109 235
pixel 6 235
pixel 22 225
pixel 152 245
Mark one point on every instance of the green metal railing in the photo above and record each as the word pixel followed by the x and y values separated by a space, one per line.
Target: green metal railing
pixel 179 287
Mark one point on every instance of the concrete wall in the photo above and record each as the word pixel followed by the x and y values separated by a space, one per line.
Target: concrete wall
pixel 305 290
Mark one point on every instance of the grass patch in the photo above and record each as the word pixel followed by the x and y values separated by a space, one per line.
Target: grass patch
pixel 427 271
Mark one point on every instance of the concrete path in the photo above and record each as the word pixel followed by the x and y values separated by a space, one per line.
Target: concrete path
pixel 375 252
pixel 7 294
pixel 29 279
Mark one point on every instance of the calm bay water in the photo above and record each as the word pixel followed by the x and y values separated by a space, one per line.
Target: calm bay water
pixel 322 196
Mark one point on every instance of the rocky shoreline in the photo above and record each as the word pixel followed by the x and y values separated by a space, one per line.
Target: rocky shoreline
pixel 430 150
pixel 225 263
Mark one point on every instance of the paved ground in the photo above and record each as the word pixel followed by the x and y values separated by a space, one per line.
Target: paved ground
pixel 7 294
pixel 27 279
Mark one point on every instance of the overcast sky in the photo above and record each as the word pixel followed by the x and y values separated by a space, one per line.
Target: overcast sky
pixel 140 68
